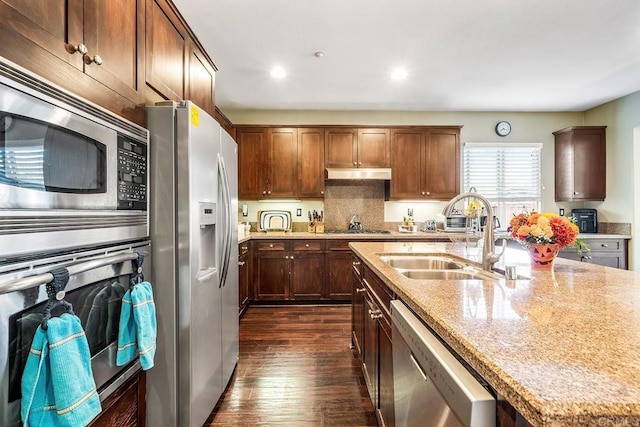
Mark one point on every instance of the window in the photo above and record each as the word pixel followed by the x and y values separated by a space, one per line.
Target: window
pixel 508 175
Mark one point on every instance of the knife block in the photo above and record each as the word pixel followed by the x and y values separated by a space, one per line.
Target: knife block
pixel 315 227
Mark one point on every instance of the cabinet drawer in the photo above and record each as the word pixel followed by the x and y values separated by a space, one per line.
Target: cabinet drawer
pixel 338 245
pixel 605 245
pixel 272 246
pixel 308 245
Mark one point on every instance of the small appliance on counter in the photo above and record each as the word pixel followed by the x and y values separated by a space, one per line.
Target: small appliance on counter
pixel 586 220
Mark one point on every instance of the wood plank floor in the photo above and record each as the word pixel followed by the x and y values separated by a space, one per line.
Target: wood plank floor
pixel 295 369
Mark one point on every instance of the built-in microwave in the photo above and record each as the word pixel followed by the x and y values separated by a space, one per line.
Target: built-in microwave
pixel 71 173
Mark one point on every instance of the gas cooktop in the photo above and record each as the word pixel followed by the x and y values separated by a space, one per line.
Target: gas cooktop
pixel 347 231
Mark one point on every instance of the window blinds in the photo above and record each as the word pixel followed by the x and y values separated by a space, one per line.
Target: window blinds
pixel 503 172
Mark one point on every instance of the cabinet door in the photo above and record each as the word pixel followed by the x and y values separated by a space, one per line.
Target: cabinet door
pixel 243 277
pixel 407 164
pixel 339 283
pixel 113 30
pixel 373 148
pixel 50 24
pixel 442 167
pixel 201 80
pixel 166 47
pixel 281 170
pixel 357 312
pixel 307 276
pixel 252 153
pixel 126 407
pixel 310 163
pixel 386 407
pixel 589 154
pixel 370 349
pixel 563 167
pixel 272 276
pixel 341 149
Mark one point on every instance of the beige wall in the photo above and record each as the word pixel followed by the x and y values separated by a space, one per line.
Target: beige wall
pixel 621 117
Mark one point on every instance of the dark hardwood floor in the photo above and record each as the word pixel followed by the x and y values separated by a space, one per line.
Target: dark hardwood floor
pixel 295 369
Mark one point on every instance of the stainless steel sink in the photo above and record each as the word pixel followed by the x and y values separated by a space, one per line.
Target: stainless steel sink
pixel 448 274
pixel 426 262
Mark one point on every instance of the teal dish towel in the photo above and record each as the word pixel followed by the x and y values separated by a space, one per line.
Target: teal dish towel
pixel 138 327
pixel 58 388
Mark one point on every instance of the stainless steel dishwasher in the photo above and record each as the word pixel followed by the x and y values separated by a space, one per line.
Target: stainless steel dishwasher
pixel 431 386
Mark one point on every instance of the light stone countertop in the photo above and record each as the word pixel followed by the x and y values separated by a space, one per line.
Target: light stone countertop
pixel 563 347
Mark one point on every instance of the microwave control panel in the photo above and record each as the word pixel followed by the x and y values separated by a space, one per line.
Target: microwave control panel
pixel 132 174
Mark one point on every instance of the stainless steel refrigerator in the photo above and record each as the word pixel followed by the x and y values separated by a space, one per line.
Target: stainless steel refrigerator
pixel 194 236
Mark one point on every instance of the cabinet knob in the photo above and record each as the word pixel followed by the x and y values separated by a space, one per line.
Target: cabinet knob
pixel 355 163
pixel 356 262
pixel 428 193
pixel 271 245
pixel 286 257
pixel 359 163
pixel 306 245
pixel 604 245
pixel 81 49
pixel 360 290
pixel 291 257
pixel 241 263
pixel 322 192
pixel 575 193
pixel 264 192
pixel 423 193
pixel 96 59
pixel 269 192
pixel 245 248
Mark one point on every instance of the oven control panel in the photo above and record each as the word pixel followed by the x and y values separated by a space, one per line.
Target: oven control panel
pixel 132 174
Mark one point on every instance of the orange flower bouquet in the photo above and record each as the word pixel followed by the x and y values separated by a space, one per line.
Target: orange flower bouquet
pixel 546 229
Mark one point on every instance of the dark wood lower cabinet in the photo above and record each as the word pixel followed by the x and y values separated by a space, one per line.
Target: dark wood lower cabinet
pixel 127 406
pixel 339 275
pixel 244 268
pixel 272 276
pixel 307 274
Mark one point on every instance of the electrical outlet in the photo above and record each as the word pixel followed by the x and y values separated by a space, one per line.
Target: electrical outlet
pixel 561 211
pixel 298 212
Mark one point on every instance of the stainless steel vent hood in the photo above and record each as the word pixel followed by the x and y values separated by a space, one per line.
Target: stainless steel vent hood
pixel 358 173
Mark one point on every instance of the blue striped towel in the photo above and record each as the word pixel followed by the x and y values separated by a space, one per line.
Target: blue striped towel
pixel 138 327
pixel 58 388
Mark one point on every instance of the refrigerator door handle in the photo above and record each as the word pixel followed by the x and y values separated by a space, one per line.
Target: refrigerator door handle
pixel 222 175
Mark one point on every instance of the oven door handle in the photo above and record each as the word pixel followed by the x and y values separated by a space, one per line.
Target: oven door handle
pixel 29 282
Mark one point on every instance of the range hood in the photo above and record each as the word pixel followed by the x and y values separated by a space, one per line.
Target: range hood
pixel 383 174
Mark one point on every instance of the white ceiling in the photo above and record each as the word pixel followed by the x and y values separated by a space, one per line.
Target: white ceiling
pixel 461 55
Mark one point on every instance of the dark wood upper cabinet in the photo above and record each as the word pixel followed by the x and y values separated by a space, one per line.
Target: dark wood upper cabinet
pixel 580 163
pixel 201 80
pixel 282 173
pixel 89 47
pixel 166 51
pixel 356 148
pixel 252 156
pixel 373 148
pixel 341 148
pixel 425 163
pixel 310 163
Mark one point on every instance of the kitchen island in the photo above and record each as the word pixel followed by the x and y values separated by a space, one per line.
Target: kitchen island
pixel 562 346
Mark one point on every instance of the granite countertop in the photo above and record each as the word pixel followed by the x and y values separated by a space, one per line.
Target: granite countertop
pixel 395 235
pixel 563 347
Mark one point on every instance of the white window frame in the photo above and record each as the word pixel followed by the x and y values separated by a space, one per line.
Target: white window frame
pixel 506 201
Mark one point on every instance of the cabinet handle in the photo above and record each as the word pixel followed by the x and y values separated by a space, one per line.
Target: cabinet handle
pixel 81 49
pixel 245 248
pixel 356 262
pixel 241 263
pixel 375 314
pixel 96 59
pixel 604 245
pixel 575 193
pixel 360 290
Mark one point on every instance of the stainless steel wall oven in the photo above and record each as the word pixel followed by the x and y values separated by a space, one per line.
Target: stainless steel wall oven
pixel 71 173
pixel 98 280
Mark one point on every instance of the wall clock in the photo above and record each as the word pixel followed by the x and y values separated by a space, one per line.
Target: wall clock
pixel 503 128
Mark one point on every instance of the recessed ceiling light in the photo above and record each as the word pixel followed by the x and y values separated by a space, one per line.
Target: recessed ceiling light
pixel 399 74
pixel 278 73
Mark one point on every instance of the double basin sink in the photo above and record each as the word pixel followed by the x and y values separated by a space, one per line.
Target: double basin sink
pixel 437 267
